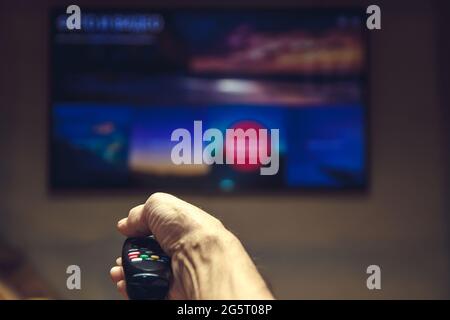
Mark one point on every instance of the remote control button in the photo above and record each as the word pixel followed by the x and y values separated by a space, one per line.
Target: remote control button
pixel 154 257
pixel 145 275
pixel 131 250
pixel 136 259
pixel 144 256
pixel 133 255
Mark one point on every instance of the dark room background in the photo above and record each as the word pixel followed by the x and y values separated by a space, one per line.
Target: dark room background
pixel 307 245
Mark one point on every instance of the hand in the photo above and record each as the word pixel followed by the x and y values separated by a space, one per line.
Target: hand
pixel 208 261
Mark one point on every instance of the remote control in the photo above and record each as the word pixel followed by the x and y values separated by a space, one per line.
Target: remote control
pixel 147 269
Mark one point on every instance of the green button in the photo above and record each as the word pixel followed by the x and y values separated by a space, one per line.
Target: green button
pixel 144 256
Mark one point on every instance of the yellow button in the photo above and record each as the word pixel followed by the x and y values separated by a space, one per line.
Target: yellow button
pixel 154 257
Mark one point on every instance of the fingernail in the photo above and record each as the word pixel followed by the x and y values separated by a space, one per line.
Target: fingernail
pixel 121 222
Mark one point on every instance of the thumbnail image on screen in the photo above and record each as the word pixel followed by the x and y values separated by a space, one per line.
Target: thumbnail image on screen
pixel 128 78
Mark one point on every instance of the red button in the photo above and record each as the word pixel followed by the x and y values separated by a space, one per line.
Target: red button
pixel 133 254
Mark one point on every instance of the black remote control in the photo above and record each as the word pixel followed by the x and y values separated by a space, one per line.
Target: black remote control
pixel 147 269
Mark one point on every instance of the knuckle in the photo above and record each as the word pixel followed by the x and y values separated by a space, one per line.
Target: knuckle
pixel 132 212
pixel 217 222
pixel 156 198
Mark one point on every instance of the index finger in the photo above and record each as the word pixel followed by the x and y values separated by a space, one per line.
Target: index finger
pixel 135 225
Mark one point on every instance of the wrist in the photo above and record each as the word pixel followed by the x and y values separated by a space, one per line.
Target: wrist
pixel 214 265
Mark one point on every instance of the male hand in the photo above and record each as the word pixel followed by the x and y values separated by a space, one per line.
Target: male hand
pixel 208 261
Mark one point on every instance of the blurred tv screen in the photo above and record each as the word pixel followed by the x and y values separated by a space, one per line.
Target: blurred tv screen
pixel 128 78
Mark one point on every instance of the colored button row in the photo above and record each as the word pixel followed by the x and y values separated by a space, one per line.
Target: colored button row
pixel 145 257
pixel 137 257
pixel 134 254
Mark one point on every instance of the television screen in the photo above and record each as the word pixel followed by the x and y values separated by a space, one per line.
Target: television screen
pixel 127 80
